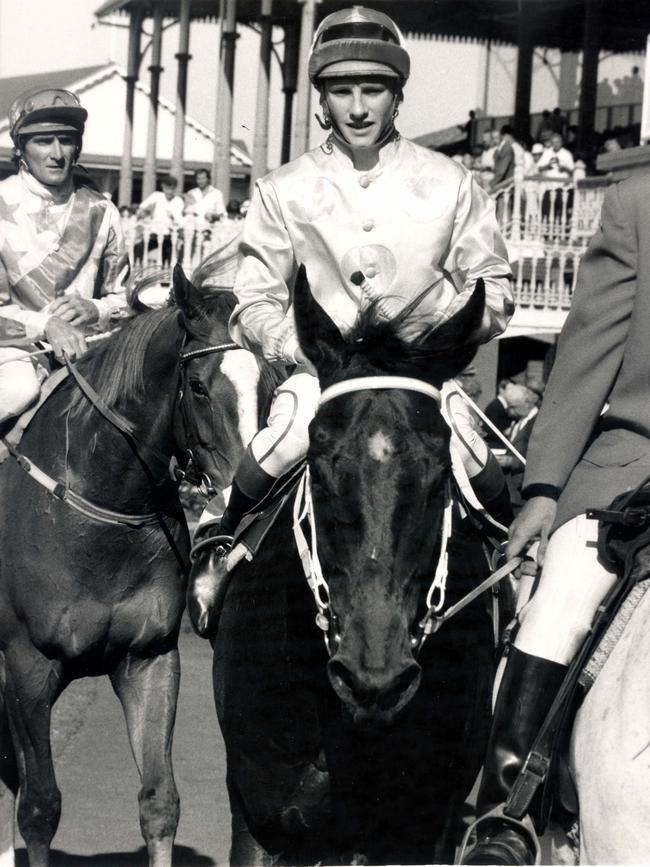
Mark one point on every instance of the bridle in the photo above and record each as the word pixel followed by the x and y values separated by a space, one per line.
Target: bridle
pixel 326 618
pixel 104 515
pixel 303 510
pixel 191 472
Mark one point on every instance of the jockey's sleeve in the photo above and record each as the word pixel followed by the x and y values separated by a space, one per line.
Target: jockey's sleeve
pixel 476 249
pixel 261 320
pixel 15 321
pixel 115 268
pixel 589 354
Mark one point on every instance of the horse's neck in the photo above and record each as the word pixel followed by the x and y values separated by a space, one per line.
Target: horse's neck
pixel 87 453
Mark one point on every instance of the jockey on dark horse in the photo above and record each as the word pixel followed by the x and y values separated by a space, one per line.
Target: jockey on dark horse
pixel 61 247
pixel 375 219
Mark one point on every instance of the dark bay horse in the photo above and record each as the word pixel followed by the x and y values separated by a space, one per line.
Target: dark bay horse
pixel 85 595
pixel 365 753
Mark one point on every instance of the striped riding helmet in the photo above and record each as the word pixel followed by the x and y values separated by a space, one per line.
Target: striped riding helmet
pixel 358 41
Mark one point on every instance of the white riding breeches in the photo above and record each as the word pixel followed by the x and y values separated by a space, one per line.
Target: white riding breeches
pixel 19 382
pixel 285 439
pixel 572 585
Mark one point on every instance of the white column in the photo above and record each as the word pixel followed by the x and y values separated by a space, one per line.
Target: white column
pixel 261 134
pixel 300 141
pixel 125 194
pixel 149 175
pixel 183 56
pixel 223 120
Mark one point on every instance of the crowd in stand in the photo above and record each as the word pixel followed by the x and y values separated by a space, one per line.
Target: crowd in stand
pixel 550 154
pixel 166 218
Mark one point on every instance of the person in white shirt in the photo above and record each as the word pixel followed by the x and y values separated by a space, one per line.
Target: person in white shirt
pixel 531 169
pixel 204 203
pixel 556 162
pixel 164 210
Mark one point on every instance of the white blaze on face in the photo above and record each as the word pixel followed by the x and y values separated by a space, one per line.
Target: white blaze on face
pixel 241 368
pixel 380 447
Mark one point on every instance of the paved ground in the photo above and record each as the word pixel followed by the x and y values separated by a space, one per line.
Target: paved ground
pixel 99 782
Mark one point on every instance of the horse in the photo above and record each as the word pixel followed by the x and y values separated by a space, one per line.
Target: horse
pixel 608 753
pixel 88 582
pixel 362 747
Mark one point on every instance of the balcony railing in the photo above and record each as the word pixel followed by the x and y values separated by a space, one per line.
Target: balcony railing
pixel 547 225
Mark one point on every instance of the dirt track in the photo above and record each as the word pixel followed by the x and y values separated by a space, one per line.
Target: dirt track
pixel 99 783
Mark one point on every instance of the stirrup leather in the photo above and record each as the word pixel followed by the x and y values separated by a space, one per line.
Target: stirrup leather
pixel 522 826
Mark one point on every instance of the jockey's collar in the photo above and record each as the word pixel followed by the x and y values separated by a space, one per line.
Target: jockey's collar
pixel 378 383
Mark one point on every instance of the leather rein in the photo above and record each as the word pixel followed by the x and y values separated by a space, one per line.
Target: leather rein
pixel 326 618
pixel 102 514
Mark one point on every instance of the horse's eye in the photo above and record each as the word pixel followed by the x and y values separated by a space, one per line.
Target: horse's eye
pixel 198 388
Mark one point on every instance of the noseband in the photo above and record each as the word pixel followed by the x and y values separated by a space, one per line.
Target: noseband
pixel 303 509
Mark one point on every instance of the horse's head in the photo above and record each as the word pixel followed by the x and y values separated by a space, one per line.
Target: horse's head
pixel 379 463
pixel 218 399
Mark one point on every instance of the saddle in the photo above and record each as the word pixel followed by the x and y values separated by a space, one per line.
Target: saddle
pixel 14 436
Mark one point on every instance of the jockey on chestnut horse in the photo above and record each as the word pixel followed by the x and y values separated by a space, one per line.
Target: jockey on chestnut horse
pixel 376 219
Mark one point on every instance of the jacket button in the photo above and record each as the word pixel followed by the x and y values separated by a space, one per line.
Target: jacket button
pixel 371 271
pixel 368 226
pixel 364 181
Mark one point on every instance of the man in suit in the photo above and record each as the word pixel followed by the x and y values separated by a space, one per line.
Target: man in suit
pixel 497 412
pixel 577 459
pixel 523 405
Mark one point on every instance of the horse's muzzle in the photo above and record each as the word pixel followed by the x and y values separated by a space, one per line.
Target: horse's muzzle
pixel 373 696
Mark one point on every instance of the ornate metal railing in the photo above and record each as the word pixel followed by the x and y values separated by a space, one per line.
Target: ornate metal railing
pixel 547 225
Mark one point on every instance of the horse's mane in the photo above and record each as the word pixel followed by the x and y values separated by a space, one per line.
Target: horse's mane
pixel 115 366
pixel 403 345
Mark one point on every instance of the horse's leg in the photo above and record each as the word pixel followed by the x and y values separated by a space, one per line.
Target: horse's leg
pixel 8 779
pixel 245 851
pixel 32 686
pixel 148 691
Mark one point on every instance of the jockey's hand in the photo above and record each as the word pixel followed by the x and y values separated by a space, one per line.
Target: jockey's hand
pixel 64 338
pixel 75 310
pixel 533 522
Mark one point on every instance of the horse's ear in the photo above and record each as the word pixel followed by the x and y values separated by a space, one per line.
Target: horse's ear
pixel 183 290
pixel 319 338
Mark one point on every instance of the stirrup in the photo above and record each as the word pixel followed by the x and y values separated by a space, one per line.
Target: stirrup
pixel 523 826
pixel 222 540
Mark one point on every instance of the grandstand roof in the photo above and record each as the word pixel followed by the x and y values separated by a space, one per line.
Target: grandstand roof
pixel 554 23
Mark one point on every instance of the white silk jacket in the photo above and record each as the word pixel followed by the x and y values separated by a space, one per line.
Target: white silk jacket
pixel 417 219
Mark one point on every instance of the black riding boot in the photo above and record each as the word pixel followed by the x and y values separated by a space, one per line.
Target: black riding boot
pixel 209 576
pixel 527 691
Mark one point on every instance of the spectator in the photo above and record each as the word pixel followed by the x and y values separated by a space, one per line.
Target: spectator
pixel 204 203
pixel 486 160
pixel 611 144
pixel 535 156
pixel 497 412
pixel 165 211
pixel 523 406
pixel 556 162
pixel 233 209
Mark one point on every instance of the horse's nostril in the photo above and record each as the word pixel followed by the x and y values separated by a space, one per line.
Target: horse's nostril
pixel 339 672
pixel 383 690
pixel 402 684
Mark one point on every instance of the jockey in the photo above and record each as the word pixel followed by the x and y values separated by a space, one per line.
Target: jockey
pixel 61 247
pixel 372 216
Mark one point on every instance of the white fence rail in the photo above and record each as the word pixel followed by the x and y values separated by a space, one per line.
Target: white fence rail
pixel 547 225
